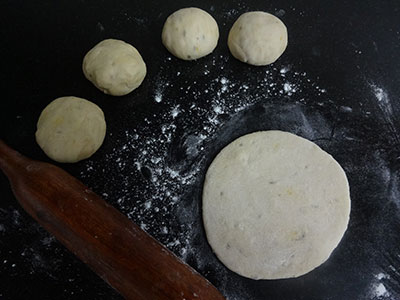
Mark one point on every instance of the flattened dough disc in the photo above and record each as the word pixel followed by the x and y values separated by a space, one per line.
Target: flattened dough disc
pixel 275 205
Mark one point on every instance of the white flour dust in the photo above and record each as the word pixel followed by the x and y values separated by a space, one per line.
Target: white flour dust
pixel 385 106
pixel 391 177
pixel 153 168
pixel 383 99
pixel 34 255
pixel 378 290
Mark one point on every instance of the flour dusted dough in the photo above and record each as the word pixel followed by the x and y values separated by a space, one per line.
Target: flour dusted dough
pixel 114 67
pixel 70 129
pixel 275 205
pixel 257 38
pixel 190 33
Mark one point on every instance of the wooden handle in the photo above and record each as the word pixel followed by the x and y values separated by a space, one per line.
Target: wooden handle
pixel 120 252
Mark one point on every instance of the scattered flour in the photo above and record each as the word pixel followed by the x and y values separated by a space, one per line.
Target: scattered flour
pixel 289 88
pixel 347 109
pixel 382 98
pixel 154 167
pixel 158 97
pixel 175 111
pixel 386 108
pixel 381 276
pixel 378 290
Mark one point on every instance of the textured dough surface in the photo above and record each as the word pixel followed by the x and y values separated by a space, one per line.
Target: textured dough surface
pixel 114 67
pixel 275 205
pixel 257 38
pixel 190 33
pixel 70 129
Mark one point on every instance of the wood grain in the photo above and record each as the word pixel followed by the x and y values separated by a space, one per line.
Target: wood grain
pixel 125 256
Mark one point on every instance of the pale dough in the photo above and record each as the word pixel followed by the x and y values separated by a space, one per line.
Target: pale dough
pixel 275 205
pixel 190 33
pixel 70 129
pixel 257 38
pixel 114 67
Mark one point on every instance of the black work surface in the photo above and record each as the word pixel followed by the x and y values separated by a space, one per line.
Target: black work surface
pixel 337 84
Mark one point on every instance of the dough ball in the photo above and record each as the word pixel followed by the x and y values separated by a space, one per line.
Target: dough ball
pixel 257 38
pixel 70 129
pixel 275 205
pixel 190 33
pixel 114 67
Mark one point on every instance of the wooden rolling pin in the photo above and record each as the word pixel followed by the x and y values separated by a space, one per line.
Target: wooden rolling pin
pixel 125 256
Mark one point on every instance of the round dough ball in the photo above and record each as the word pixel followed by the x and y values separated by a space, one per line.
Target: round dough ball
pixel 275 205
pixel 190 33
pixel 70 129
pixel 114 67
pixel 257 38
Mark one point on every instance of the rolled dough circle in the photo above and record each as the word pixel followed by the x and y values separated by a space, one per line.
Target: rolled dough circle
pixel 275 205
pixel 257 38
pixel 190 33
pixel 70 129
pixel 114 67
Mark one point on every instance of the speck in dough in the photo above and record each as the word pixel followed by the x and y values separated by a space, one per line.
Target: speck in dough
pixel 257 38
pixel 114 67
pixel 275 205
pixel 190 33
pixel 70 129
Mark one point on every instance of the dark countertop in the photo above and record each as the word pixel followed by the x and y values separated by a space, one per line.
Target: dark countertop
pixel 338 84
